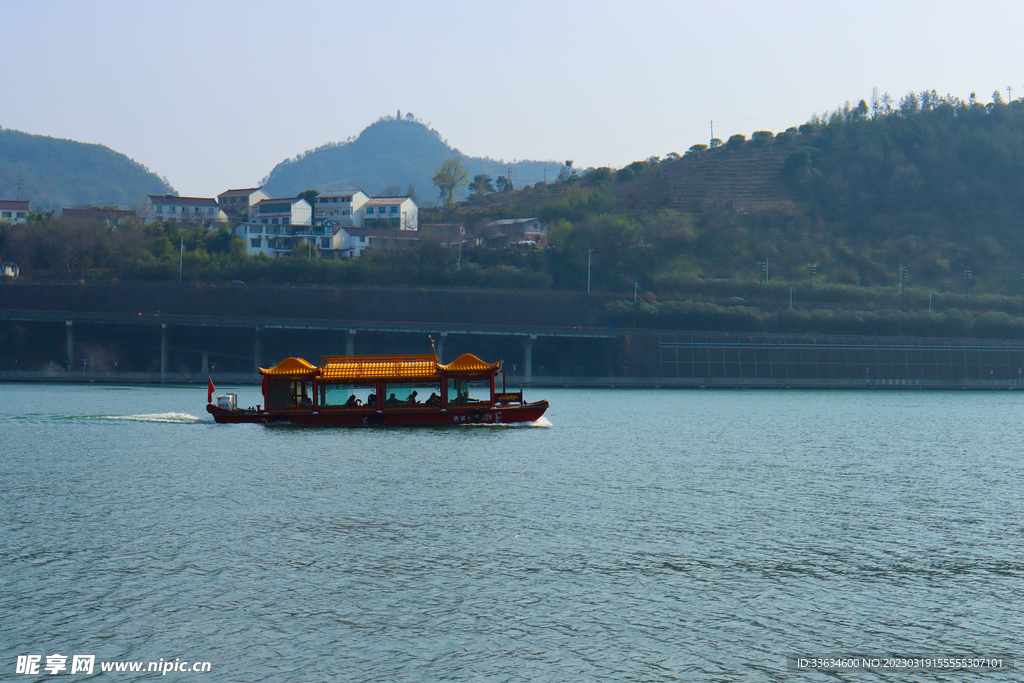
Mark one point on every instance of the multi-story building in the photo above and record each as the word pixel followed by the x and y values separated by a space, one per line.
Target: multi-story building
pixel 337 208
pixel 234 205
pixel 188 210
pixel 275 226
pixel 390 212
pixel 14 210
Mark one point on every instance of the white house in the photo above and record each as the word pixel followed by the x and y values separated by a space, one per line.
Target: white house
pixel 189 210
pixel 390 212
pixel 234 205
pixel 14 210
pixel 337 208
pixel 277 225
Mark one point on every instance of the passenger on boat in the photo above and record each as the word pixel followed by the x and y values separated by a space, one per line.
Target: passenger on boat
pixel 307 402
pixel 433 400
pixel 412 399
pixel 461 396
pixel 371 400
pixel 392 401
pixel 353 402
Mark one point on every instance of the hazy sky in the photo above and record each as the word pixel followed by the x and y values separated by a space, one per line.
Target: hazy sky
pixel 213 94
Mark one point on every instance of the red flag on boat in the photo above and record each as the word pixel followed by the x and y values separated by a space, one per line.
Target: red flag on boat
pixel 209 391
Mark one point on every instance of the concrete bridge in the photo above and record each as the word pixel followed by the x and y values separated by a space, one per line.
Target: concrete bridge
pixel 179 332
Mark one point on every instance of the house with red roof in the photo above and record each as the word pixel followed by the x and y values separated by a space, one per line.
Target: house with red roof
pixel 234 205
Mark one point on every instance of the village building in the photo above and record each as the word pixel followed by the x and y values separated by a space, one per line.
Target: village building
pixel 352 242
pixel 448 234
pixel 234 205
pixel 516 233
pixel 188 210
pixel 391 212
pixel 14 210
pixel 337 208
pixel 109 216
pixel 276 226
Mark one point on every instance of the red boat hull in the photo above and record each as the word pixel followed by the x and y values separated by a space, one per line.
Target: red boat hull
pixel 418 416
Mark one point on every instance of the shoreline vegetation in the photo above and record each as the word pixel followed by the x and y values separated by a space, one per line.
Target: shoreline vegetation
pixel 894 218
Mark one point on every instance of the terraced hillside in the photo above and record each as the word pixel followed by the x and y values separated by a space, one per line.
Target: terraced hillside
pixel 748 177
pixel 745 177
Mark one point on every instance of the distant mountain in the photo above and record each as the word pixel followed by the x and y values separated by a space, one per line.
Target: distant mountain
pixel 55 172
pixel 391 152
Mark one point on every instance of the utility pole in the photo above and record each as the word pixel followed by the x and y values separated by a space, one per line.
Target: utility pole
pixel 762 269
pixel 903 274
pixel 590 255
pixel 181 258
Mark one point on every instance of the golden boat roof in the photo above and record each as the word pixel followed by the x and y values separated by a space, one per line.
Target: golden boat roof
pixel 291 367
pixel 378 367
pixel 467 362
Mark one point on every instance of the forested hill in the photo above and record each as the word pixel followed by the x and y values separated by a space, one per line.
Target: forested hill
pixel 392 152
pixel 935 185
pixel 55 172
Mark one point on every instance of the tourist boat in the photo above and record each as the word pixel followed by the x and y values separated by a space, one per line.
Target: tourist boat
pixel 381 390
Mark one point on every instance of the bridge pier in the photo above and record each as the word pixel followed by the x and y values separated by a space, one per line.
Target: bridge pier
pixel 528 356
pixel 350 343
pixel 257 348
pixel 206 363
pixel 440 347
pixel 163 350
pixel 70 326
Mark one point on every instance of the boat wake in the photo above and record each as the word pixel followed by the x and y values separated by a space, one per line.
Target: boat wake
pixel 178 418
pixel 542 422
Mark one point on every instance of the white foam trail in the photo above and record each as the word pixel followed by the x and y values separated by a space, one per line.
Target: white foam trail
pixel 542 422
pixel 179 418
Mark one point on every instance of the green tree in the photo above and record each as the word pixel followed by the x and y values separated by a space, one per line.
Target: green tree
pixel 504 184
pixel 481 186
pixel 568 173
pixel 450 176
pixel 310 196
pixel 736 141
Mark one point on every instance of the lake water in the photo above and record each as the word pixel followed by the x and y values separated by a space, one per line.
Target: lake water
pixel 636 536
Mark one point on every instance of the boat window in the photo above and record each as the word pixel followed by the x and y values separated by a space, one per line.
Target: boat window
pixel 289 393
pixel 468 391
pixel 346 395
pixel 410 393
